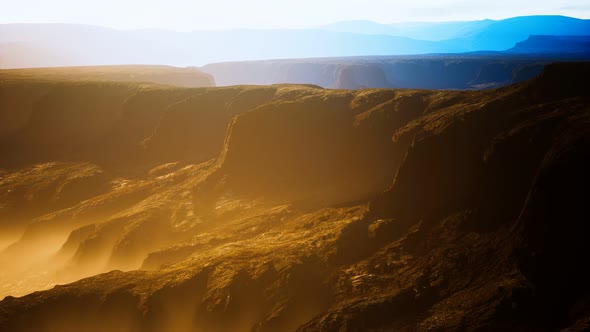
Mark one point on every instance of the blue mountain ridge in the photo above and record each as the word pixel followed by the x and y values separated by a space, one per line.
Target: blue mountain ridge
pixel 48 45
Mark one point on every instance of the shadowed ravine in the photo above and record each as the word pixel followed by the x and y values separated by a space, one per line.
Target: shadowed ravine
pixel 128 206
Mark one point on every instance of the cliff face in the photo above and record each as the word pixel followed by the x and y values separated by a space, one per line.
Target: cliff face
pixel 293 207
pixel 469 71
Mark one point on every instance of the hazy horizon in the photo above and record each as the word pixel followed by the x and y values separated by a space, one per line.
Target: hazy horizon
pixel 314 27
pixel 182 15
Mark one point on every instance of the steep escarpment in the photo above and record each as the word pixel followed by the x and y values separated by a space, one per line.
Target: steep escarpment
pixel 325 146
pixel 361 76
pixel 479 193
pixel 151 150
pixel 302 145
pixel 193 129
pixel 469 71
pixel 311 209
pixel 110 124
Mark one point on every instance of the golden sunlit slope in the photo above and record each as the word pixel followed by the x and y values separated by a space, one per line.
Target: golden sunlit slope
pixel 279 208
pixel 186 77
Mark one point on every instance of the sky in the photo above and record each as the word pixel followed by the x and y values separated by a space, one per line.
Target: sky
pixel 187 15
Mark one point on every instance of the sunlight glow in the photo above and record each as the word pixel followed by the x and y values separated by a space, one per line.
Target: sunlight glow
pixel 186 15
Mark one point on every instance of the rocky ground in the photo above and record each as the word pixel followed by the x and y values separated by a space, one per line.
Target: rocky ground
pixel 278 208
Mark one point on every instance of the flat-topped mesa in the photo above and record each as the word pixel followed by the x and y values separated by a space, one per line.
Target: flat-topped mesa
pixel 176 76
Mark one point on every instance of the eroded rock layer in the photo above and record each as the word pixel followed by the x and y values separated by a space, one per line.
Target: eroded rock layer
pixel 285 207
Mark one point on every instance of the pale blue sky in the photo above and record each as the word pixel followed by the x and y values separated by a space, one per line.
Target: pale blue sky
pixel 226 14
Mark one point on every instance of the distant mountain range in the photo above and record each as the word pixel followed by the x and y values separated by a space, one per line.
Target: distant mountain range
pixel 552 44
pixel 492 35
pixel 46 45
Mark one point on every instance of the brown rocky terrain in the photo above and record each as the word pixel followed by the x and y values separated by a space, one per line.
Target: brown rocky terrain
pixel 292 207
